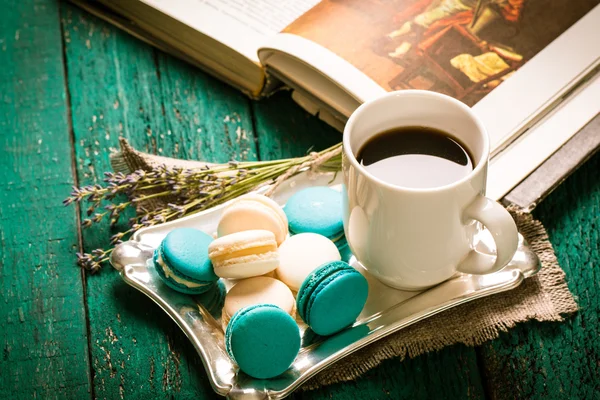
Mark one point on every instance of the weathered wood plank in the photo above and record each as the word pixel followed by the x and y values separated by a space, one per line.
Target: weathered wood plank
pixel 121 87
pixel 43 334
pixel 450 374
pixel 559 360
pixel 284 130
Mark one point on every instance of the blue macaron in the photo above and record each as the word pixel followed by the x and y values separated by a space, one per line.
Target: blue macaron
pixel 182 261
pixel 213 299
pixel 332 297
pixel 318 209
pixel 342 245
pixel 263 340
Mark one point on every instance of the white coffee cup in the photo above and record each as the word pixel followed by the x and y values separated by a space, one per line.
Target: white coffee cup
pixel 410 238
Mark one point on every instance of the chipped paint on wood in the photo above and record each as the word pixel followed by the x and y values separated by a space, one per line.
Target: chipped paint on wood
pixel 43 335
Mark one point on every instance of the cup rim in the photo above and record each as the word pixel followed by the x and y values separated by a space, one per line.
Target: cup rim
pixel 363 108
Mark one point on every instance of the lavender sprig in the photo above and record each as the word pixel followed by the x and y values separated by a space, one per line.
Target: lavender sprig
pixel 167 193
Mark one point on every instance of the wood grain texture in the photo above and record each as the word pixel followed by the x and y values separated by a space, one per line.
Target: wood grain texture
pixel 43 334
pixel 283 129
pixel 449 374
pixel 559 360
pixel 121 87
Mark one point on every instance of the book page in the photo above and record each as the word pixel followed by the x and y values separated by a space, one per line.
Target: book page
pixel 462 48
pixel 242 25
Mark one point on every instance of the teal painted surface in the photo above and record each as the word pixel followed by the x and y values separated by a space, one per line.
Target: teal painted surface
pixel 120 87
pixel 559 360
pixel 43 329
pixel 109 85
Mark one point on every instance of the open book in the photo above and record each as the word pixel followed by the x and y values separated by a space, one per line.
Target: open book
pixel 530 69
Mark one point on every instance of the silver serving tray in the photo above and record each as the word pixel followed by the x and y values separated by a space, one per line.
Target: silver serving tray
pixel 387 310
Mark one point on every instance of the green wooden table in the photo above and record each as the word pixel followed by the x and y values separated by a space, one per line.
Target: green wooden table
pixel 70 86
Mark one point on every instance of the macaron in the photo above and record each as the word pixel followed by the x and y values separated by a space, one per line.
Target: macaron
pixel 182 261
pixel 254 211
pixel 332 297
pixel 318 209
pixel 258 290
pixel 300 254
pixel 342 245
pixel 270 274
pixel 244 254
pixel 213 299
pixel 263 340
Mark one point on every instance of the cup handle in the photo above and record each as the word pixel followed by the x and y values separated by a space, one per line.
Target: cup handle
pixel 504 231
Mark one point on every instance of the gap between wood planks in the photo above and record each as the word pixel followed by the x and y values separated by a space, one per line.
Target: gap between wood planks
pixel 82 272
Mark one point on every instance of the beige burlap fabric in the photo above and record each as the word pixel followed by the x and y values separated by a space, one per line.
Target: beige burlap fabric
pixel 544 297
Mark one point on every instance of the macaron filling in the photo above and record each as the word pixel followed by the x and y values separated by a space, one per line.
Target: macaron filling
pixel 176 276
pixel 250 251
pixel 244 254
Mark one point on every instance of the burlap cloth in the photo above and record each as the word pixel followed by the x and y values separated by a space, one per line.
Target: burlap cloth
pixel 544 297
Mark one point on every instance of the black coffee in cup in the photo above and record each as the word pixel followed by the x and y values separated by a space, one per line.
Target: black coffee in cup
pixel 415 157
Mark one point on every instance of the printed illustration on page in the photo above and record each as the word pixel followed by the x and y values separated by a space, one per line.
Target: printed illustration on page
pixel 463 48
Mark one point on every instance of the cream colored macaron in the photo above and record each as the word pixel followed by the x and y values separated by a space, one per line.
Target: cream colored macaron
pixel 271 274
pixel 244 254
pixel 258 290
pixel 301 254
pixel 254 211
